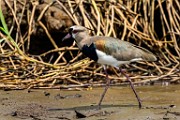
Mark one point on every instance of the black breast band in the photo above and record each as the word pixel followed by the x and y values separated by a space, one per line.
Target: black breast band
pixel 90 51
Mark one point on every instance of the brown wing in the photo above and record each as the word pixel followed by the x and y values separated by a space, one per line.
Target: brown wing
pixel 122 50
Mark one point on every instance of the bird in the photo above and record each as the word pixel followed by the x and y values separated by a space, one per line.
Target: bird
pixel 109 51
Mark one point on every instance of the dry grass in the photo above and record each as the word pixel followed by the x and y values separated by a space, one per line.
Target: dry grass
pixel 149 23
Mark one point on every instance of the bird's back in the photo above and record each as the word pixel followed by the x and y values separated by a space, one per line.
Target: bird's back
pixel 122 50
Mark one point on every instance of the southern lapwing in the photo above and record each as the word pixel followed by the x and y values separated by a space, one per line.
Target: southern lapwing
pixel 109 51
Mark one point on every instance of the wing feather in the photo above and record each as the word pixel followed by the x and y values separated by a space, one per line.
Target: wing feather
pixel 122 50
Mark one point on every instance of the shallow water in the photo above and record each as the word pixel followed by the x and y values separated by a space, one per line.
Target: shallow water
pixel 159 103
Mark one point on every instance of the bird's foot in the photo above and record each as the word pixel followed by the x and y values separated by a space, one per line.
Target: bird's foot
pixel 98 107
pixel 140 104
pixel 123 70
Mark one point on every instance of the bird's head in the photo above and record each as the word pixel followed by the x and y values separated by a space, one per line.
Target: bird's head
pixel 76 32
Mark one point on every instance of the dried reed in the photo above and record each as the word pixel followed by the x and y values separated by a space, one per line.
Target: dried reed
pixel 151 24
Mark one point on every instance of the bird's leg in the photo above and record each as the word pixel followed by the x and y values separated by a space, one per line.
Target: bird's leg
pixel 132 86
pixel 106 87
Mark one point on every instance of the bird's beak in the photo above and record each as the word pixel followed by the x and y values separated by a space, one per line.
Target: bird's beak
pixel 67 37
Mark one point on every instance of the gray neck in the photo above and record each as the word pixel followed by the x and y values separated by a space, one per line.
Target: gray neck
pixel 82 39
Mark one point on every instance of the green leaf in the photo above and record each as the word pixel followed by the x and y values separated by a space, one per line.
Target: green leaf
pixel 4 25
pixel 1 40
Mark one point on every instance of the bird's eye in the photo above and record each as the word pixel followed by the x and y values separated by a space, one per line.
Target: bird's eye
pixel 70 30
pixel 74 31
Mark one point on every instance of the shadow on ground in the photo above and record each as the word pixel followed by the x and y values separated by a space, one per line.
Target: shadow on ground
pixel 159 103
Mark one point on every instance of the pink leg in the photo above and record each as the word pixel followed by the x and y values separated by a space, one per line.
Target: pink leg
pixel 132 86
pixel 106 87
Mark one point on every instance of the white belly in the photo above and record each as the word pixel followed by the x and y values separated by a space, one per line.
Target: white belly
pixel 105 59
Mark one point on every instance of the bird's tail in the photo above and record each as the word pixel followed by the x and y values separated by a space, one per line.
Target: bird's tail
pixel 149 57
pixel 146 54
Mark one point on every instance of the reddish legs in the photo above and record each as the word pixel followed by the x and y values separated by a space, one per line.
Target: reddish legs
pixel 132 86
pixel 106 87
pixel 108 83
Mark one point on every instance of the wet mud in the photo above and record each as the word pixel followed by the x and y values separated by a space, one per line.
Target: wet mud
pixel 159 103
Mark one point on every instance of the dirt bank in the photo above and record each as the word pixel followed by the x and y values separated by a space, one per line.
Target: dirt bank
pixel 159 103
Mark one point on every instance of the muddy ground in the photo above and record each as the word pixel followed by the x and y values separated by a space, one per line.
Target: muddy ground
pixel 159 103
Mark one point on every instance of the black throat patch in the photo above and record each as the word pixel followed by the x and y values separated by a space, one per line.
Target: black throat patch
pixel 90 51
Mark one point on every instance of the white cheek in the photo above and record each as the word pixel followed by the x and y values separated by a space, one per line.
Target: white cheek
pixel 73 35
